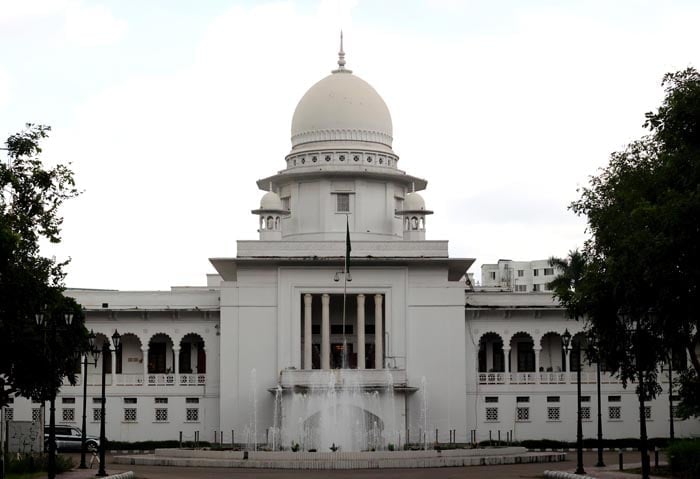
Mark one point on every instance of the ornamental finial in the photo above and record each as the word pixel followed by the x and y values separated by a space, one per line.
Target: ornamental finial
pixel 341 54
pixel 341 58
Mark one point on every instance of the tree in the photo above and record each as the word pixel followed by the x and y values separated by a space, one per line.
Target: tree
pixel 32 362
pixel 641 284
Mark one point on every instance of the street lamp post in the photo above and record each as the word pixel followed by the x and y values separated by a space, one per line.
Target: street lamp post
pixel 646 469
pixel 566 339
pixel 600 462
pixel 105 351
pixel 83 465
pixel 45 321
pixel 670 396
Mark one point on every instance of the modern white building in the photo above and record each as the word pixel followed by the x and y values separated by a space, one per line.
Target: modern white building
pixel 282 346
pixel 518 276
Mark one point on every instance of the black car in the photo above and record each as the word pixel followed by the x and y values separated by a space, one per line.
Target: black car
pixel 68 438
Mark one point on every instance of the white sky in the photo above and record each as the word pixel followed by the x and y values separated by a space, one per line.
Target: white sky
pixel 170 110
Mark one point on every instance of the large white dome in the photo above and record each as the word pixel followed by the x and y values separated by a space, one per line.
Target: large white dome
pixel 341 107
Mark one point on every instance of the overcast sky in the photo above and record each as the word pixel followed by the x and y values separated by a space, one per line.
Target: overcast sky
pixel 170 110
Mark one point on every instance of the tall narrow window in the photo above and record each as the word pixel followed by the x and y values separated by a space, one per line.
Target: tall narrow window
pixel 342 203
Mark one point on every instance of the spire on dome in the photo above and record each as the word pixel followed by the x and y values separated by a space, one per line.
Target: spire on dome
pixel 341 58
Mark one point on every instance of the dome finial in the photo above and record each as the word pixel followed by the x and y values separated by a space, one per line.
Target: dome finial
pixel 341 58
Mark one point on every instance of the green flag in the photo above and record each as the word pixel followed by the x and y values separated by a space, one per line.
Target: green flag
pixel 348 247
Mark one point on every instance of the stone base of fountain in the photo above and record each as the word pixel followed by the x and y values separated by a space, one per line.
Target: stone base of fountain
pixel 341 460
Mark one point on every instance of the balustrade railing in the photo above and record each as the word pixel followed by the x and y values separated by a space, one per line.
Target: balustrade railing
pixel 193 379
pixel 523 378
pixel 587 377
pixel 129 379
pixel 492 378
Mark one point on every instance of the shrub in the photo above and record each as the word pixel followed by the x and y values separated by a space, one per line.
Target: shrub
pixel 31 463
pixel 150 445
pixel 684 458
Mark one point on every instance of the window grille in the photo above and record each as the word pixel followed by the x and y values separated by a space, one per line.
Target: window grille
pixel 675 412
pixel 9 414
pixel 522 414
pixel 36 414
pixel 614 413
pixel 96 414
pixel 129 400
pixel 647 412
pixel 68 415
pixel 522 399
pixel 161 415
pixel 342 203
pixel 553 413
pixel 491 414
pixel 161 400
pixel 67 400
pixel 192 414
pixel 130 414
pixel 192 400
pixel 585 413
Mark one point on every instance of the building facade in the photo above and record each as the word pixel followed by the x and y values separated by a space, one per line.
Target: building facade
pixel 286 344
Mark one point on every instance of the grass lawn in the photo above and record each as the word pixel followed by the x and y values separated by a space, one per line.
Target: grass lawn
pixel 29 475
pixel 661 471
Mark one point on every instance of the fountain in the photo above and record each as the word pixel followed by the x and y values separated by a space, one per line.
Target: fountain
pixel 344 414
pixel 339 419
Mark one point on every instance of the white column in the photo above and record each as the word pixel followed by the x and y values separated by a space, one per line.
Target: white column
pixel 537 364
pixel 506 359
pixel 360 331
pixel 378 333
pixel 325 332
pixel 307 331
pixel 176 368
pixel 145 364
pixel 568 359
pixel 114 366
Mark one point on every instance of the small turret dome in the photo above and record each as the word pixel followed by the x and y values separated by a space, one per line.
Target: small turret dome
pixel 270 201
pixel 414 202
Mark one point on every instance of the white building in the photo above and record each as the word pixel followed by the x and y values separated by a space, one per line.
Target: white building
pixel 261 345
pixel 518 276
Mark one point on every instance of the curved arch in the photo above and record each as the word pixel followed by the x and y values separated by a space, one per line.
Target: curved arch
pixel 489 334
pixel 552 354
pixel 522 354
pixel 160 353
pixel 491 355
pixel 192 354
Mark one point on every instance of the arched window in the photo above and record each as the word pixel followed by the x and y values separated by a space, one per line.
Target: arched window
pixel 270 223
pixel 414 223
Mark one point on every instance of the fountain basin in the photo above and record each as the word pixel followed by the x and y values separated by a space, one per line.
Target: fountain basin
pixel 341 460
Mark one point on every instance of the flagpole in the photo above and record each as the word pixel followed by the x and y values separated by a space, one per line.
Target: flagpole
pixel 345 293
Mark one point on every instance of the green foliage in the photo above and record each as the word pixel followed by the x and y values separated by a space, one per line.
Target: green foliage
pixel 32 463
pixel 688 385
pixel 639 288
pixel 590 443
pixel 684 458
pixel 31 362
pixel 151 445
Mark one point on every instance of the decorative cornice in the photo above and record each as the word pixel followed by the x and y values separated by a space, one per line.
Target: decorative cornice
pixel 341 134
